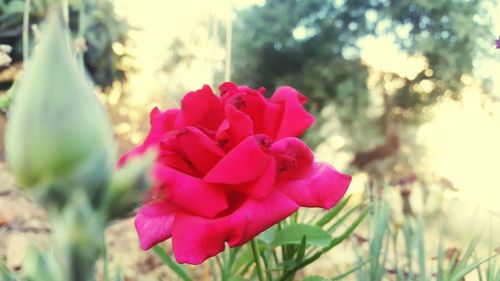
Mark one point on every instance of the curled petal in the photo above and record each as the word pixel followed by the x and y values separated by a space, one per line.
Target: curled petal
pixel 161 123
pixel 189 193
pixel 295 118
pixel 244 163
pixel 265 115
pixel 320 186
pixel 196 239
pixel 227 89
pixel 293 157
pixel 154 223
pixel 170 154
pixel 202 108
pixel 236 127
pixel 201 151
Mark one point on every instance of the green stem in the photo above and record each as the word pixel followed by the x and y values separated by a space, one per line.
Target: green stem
pixel 26 29
pixel 81 34
pixel 65 11
pixel 105 258
pixel 222 270
pixel 258 267
pixel 267 265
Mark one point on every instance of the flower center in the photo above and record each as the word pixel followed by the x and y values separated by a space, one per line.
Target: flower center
pixel 286 163
pixel 263 140
pixel 239 102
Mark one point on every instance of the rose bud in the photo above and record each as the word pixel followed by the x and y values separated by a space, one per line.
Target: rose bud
pixel 58 134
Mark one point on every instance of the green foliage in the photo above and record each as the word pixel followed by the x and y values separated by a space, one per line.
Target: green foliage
pixel 383 258
pixel 294 234
pixel 314 278
pixel 178 269
pixel 283 250
pixel 93 20
pixel 5 274
pixel 315 46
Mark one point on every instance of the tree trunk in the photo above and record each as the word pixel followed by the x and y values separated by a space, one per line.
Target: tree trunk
pixel 389 147
pixel 363 158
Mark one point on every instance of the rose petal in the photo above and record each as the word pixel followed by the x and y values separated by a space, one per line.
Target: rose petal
pixel 266 116
pixel 202 151
pixel 320 186
pixel 292 157
pixel 244 163
pixel 190 193
pixel 202 108
pixel 161 123
pixel 235 128
pixel 196 239
pixel 259 215
pixel 262 186
pixel 295 118
pixel 154 222
pixel 227 89
pixel 170 154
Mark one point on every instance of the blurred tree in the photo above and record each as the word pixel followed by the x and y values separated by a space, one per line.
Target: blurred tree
pixel 99 33
pixel 313 45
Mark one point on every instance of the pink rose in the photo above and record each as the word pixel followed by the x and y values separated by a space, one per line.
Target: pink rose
pixel 228 168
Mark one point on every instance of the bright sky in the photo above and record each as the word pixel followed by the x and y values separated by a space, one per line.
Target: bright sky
pixel 158 22
pixel 463 140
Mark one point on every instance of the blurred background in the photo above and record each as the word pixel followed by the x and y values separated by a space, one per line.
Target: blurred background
pixel 406 93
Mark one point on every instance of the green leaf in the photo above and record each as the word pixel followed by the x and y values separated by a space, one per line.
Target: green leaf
pixel 351 228
pixel 243 259
pixel 301 251
pixel 333 212
pixel 237 278
pixel 118 274
pixel 178 269
pixel 332 244
pixel 314 278
pixel 5 274
pixel 468 253
pixel 343 218
pixel 14 7
pixel 38 265
pixel 461 272
pixel 105 258
pixel 293 234
pixel 347 273
pixel 268 235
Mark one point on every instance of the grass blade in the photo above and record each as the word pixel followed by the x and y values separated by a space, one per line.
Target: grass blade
pixel 349 272
pixel 457 276
pixel 179 270
pixel 333 212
